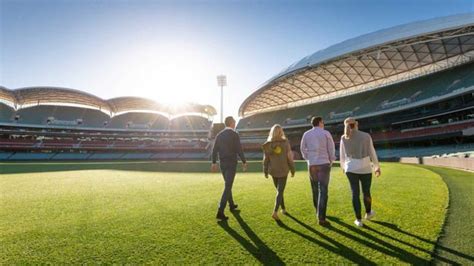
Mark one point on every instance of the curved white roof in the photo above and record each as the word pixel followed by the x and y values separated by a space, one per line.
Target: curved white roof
pixel 369 61
pixel 31 96
pixel 381 37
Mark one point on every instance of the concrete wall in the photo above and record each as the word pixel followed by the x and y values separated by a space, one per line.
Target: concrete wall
pixel 453 162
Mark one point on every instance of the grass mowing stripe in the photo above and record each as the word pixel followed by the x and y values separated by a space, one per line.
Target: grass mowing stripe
pixel 455 242
pixel 118 216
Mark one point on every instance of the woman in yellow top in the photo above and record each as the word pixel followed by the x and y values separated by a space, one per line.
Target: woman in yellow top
pixel 278 162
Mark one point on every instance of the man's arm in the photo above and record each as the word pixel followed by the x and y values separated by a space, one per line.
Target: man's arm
pixel 239 148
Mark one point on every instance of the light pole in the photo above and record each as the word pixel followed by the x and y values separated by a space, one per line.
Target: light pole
pixel 221 82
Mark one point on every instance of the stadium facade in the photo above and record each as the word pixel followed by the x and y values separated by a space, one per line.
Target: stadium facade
pixel 410 86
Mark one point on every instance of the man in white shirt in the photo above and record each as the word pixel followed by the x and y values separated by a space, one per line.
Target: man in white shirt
pixel 317 148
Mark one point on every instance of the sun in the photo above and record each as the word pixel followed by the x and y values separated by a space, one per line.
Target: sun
pixel 169 73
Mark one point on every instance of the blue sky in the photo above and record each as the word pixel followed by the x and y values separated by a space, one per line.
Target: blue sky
pixel 171 51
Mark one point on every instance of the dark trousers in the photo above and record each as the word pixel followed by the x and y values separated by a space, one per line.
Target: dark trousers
pixel 356 180
pixel 319 178
pixel 228 172
pixel 280 184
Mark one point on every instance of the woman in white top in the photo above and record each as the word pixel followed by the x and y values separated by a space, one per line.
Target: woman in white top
pixel 357 155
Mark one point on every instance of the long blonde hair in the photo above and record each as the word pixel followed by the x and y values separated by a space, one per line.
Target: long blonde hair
pixel 276 132
pixel 347 127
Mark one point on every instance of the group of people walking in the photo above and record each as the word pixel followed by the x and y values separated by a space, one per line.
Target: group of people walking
pixel 357 159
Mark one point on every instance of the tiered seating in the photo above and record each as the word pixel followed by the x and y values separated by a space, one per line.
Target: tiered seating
pixel 139 120
pixel 430 86
pixel 421 132
pixel 58 143
pixel 6 113
pixel 425 151
pixel 190 123
pixel 17 143
pixel 63 115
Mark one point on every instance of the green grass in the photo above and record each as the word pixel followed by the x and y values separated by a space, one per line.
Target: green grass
pixel 455 243
pixel 122 216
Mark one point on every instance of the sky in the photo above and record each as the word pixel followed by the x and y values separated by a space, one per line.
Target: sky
pixel 172 51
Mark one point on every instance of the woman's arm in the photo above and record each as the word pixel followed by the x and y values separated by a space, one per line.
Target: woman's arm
pixel 291 163
pixel 342 155
pixel 266 163
pixel 373 157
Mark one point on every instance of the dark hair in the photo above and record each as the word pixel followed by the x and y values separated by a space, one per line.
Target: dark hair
pixel 228 121
pixel 316 120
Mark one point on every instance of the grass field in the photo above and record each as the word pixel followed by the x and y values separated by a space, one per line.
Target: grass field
pixel 121 216
pixel 456 240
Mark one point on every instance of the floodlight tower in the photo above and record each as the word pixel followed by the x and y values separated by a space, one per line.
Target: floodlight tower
pixel 221 82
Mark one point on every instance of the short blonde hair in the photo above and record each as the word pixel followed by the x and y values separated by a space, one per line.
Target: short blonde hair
pixel 347 127
pixel 276 132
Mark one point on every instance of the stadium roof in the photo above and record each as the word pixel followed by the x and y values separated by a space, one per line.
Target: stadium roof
pixel 51 95
pixel 127 104
pixel 26 97
pixel 367 62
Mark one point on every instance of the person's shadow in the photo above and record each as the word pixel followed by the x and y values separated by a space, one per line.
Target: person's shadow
pixel 437 245
pixel 256 246
pixel 391 249
pixel 338 248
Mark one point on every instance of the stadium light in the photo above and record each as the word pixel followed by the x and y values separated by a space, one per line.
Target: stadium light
pixel 221 82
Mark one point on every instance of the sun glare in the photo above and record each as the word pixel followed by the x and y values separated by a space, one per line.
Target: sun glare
pixel 171 73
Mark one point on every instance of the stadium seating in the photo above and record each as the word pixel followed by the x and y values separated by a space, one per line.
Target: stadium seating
pixel 70 156
pixel 190 122
pixel 139 120
pixel 135 156
pixel 63 115
pixel 6 113
pixel 440 150
pixel 5 155
pixel 106 156
pixel 427 87
pixel 31 156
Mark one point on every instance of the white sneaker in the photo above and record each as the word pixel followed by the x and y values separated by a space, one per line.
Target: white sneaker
pixel 370 215
pixel 359 223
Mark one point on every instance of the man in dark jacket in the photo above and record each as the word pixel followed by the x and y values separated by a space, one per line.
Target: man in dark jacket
pixel 228 146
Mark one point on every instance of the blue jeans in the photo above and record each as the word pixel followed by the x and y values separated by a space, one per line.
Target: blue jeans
pixel 319 178
pixel 280 183
pixel 228 172
pixel 365 180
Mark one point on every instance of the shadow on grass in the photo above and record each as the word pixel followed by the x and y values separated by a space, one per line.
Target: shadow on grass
pixel 382 246
pixel 256 246
pixel 339 248
pixel 438 246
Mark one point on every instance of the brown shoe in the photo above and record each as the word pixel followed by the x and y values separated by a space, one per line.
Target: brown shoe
pixel 275 216
pixel 324 223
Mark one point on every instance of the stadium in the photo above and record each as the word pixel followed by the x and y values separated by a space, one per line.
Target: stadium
pixel 410 86
pixel 45 123
pixel 126 180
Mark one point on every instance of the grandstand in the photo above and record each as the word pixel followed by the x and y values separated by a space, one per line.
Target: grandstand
pixel 410 86
pixel 45 123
